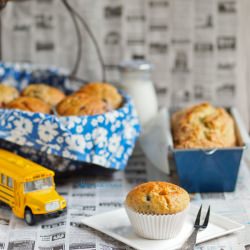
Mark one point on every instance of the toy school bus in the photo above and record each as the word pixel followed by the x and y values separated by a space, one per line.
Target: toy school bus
pixel 28 188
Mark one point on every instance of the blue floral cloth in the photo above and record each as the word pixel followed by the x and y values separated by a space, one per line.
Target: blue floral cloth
pixel 106 139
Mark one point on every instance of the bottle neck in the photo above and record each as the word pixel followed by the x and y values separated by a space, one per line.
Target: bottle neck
pixel 136 76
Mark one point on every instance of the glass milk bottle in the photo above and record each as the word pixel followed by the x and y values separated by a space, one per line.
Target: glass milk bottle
pixel 136 81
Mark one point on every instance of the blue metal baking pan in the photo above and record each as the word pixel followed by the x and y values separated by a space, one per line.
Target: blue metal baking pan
pixel 211 170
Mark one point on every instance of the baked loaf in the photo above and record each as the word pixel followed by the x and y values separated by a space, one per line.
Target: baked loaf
pixel 81 104
pixel 7 94
pixel 103 91
pixel 157 198
pixel 48 94
pixel 29 104
pixel 203 126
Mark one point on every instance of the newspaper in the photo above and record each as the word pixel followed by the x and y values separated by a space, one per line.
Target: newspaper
pixel 88 195
pixel 194 44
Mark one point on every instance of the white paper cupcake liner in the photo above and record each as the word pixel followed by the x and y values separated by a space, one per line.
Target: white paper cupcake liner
pixel 157 226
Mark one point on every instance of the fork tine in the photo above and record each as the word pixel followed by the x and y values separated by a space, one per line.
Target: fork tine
pixel 206 218
pixel 197 220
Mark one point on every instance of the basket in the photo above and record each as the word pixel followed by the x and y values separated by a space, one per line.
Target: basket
pixel 107 139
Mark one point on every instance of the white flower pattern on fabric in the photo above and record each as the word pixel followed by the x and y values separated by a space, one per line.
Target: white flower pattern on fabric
pixel 17 137
pixel 100 136
pixel 129 131
pixel 47 131
pixel 94 122
pixel 79 129
pixel 84 121
pixel 100 160
pixel 110 117
pixel 120 151
pixel 100 119
pixel 77 120
pixel 60 139
pixel 23 126
pixel 114 143
pixel 48 147
pixel 67 154
pixel 88 136
pixel 76 143
pixel 69 123
pixel 89 145
pixel 3 122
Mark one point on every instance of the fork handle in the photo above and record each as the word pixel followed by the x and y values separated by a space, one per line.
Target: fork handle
pixel 191 241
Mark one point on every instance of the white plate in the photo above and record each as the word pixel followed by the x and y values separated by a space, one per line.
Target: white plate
pixel 116 224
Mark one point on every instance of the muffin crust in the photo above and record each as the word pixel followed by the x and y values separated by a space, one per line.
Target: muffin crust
pixel 105 92
pixel 203 126
pixel 81 104
pixel 48 94
pixel 7 94
pixel 157 198
pixel 29 104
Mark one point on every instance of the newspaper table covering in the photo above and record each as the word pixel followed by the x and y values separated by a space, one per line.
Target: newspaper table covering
pixel 94 194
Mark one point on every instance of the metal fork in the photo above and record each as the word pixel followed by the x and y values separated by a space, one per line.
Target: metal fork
pixel 191 240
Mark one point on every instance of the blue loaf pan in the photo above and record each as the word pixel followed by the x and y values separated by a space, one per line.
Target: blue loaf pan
pixel 211 170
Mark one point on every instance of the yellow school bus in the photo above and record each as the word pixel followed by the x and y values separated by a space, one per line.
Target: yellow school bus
pixel 28 188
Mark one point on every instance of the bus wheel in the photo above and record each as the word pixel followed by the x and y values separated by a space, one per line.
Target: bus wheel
pixel 29 217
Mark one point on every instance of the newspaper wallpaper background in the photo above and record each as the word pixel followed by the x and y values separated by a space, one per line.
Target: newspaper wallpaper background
pixel 200 51
pixel 195 44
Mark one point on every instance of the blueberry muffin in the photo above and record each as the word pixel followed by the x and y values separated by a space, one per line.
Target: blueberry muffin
pixel 158 198
pixel 203 126
pixel 48 94
pixel 105 92
pixel 29 104
pixel 7 94
pixel 157 210
pixel 81 104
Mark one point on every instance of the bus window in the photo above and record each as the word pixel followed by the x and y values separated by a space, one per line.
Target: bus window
pixel 3 179
pixel 39 184
pixel 10 182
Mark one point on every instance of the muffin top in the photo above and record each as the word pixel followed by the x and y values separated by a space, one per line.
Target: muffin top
pixel 203 126
pixel 7 94
pixel 81 104
pixel 29 104
pixel 157 198
pixel 105 92
pixel 48 94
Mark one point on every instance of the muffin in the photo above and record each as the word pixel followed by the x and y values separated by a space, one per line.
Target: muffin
pixel 7 94
pixel 157 210
pixel 29 104
pixel 48 94
pixel 81 104
pixel 203 126
pixel 105 92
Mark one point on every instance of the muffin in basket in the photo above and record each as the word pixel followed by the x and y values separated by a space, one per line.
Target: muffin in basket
pixel 48 94
pixel 81 104
pixel 103 91
pixel 7 94
pixel 157 210
pixel 29 104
